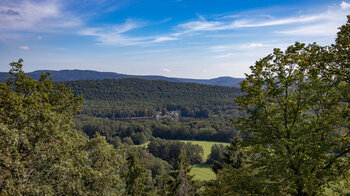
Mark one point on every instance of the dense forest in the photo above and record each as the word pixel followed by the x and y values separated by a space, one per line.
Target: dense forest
pixel 293 134
pixel 168 110
pixel 113 98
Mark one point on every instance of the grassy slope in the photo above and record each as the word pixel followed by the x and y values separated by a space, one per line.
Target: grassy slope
pixel 206 145
pixel 203 172
pixel 200 171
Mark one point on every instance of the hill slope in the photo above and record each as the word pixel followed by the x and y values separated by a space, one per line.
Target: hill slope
pixel 113 98
pixel 68 75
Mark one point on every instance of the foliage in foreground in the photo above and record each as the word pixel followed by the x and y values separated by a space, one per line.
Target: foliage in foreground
pixel 297 132
pixel 40 153
pixel 182 182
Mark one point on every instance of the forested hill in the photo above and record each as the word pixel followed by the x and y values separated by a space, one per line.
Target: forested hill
pixel 67 75
pixel 113 98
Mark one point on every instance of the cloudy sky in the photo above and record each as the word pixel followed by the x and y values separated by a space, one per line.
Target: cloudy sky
pixel 179 38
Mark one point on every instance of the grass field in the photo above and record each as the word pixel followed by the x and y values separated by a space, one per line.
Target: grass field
pixel 142 145
pixel 202 172
pixel 206 145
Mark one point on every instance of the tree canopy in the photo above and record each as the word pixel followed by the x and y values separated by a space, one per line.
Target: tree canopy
pixel 297 131
pixel 40 153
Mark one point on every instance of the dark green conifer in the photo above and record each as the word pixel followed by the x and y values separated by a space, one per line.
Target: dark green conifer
pixel 182 183
pixel 136 175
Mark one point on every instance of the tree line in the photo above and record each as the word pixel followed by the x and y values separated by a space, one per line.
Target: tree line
pixel 141 131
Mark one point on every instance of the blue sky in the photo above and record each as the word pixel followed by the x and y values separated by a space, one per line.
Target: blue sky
pixel 178 38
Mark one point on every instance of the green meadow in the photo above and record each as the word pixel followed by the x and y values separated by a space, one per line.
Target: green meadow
pixel 202 171
pixel 206 145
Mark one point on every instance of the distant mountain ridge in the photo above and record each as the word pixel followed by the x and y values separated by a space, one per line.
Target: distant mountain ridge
pixel 71 75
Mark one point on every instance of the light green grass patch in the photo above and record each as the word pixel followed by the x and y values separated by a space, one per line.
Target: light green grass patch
pixel 202 172
pixel 206 145
pixel 143 145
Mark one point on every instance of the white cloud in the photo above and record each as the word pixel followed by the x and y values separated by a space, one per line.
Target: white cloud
pixel 24 48
pixel 321 23
pixel 328 26
pixel 219 48
pixel 165 38
pixel 220 25
pixel 96 6
pixel 201 17
pixel 166 70
pixel 33 16
pixel 116 35
pixel 345 5
pixel 127 26
pixel 50 15
pixel 237 47
pixel 252 45
pixel 39 37
pixel 227 55
pixel 301 19
pixel 312 30
pixel 90 31
pixel 201 26
pixel 317 24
